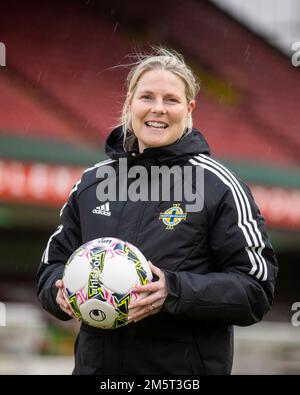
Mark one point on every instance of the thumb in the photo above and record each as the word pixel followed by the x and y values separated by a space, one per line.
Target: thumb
pixel 59 284
pixel 154 269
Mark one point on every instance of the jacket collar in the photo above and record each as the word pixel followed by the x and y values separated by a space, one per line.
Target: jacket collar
pixel 194 143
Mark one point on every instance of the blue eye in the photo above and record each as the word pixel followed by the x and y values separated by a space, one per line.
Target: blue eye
pixel 147 97
pixel 172 100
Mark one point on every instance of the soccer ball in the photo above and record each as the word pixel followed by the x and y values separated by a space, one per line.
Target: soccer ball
pixel 99 278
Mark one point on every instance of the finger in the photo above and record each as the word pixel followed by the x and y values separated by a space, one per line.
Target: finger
pixel 64 293
pixel 61 299
pixel 145 310
pixel 66 303
pixel 139 312
pixel 143 302
pixel 63 302
pixel 149 295
pixel 141 315
pixel 65 306
pixel 156 270
pixel 59 295
pixel 138 315
pixel 154 304
pixel 67 311
pixel 59 284
pixel 150 287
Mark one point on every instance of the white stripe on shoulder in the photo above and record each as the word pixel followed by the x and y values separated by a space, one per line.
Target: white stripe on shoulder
pixel 72 191
pixel 246 221
pixel 45 258
pixel 104 162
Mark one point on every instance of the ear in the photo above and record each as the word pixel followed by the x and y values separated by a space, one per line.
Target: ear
pixel 191 106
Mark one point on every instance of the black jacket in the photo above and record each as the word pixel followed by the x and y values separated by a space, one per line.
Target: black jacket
pixel 219 265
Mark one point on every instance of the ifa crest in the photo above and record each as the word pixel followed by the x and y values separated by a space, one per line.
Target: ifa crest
pixel 173 216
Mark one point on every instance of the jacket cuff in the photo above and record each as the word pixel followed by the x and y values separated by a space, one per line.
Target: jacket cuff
pixel 171 304
pixel 59 314
pixel 48 301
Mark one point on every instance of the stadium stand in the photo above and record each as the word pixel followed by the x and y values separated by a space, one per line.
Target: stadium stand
pixel 23 114
pixel 69 64
pixel 70 68
pixel 265 79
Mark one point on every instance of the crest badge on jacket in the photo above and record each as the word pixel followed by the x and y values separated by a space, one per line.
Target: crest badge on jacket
pixel 172 216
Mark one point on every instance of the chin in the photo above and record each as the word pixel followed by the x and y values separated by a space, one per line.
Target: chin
pixel 156 144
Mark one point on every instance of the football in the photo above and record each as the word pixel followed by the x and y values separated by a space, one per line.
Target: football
pixel 99 278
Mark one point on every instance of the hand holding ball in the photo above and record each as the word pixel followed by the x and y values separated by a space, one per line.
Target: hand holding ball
pixel 99 278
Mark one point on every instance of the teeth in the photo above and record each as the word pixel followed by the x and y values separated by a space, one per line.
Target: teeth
pixel 157 124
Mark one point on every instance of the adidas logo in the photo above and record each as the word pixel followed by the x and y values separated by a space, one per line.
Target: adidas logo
pixel 102 210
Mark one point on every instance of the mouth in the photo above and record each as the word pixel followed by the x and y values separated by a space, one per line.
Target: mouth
pixel 157 125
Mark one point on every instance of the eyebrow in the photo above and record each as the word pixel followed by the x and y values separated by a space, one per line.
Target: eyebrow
pixel 150 92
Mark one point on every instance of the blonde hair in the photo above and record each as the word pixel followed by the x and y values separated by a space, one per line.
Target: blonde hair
pixel 162 59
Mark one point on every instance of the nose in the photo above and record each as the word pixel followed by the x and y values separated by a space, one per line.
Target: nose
pixel 158 108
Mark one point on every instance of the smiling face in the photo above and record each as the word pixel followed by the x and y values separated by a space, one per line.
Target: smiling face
pixel 159 109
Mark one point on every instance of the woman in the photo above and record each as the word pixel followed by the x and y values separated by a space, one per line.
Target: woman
pixel 214 267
